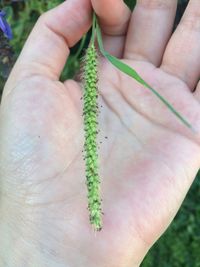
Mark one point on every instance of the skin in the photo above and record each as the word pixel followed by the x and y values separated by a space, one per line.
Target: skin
pixel 148 162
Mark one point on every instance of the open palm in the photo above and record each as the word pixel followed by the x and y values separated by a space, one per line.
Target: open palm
pixel 148 159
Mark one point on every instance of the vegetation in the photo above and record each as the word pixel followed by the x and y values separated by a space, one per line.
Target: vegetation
pixel 179 246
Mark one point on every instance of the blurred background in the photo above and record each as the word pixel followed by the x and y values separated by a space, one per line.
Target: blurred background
pixel 180 245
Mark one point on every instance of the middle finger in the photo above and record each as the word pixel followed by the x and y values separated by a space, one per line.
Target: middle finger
pixel 150 28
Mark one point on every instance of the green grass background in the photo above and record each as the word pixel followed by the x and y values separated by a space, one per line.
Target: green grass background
pixel 180 245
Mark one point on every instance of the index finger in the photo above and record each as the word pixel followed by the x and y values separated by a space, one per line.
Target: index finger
pixel 47 47
pixel 114 18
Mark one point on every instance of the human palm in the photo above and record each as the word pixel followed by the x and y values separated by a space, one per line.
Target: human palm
pixel 148 161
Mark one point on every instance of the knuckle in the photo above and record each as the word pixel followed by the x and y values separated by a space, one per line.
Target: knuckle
pixel 191 22
pixel 43 18
pixel 155 4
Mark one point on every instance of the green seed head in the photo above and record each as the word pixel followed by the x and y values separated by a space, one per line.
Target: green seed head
pixel 90 112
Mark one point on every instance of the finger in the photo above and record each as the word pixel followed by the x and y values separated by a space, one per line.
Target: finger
pixel 150 28
pixel 114 17
pixel 47 47
pixel 182 56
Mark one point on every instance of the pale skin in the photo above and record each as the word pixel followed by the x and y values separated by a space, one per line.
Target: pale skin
pixel 148 162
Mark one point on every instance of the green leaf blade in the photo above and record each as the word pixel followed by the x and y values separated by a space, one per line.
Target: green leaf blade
pixel 132 73
pixel 126 69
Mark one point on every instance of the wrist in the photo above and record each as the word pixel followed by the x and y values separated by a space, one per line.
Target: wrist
pixel 18 251
pixel 21 245
pixel 35 236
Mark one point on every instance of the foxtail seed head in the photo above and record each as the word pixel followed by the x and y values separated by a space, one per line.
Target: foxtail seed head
pixel 90 113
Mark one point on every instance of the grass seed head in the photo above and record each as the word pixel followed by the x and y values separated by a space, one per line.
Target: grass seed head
pixel 90 113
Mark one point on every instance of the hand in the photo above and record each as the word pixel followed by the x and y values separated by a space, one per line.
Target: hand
pixel 148 161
